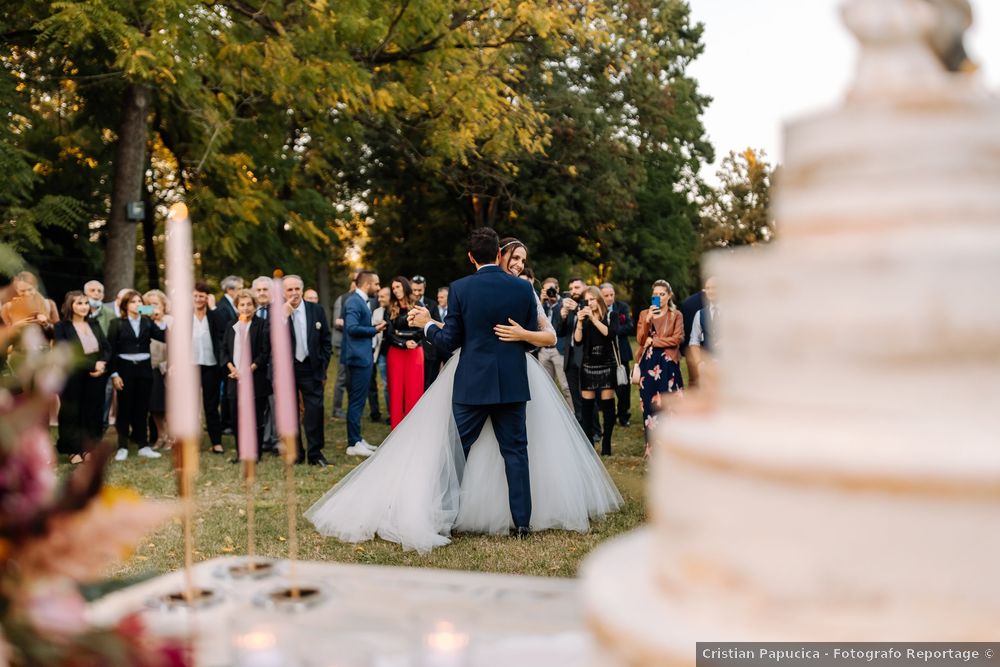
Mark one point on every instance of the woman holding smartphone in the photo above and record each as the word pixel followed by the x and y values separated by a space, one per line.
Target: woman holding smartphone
pixel 81 402
pixel 659 335
pixel 157 308
pixel 596 333
pixel 132 373
pixel 405 361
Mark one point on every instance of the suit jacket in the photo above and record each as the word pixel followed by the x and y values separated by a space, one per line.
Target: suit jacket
pixel 64 331
pixel 319 341
pixel 122 340
pixel 260 354
pixel 689 308
pixel 622 314
pixel 430 352
pixel 337 333
pixel 555 318
pixel 490 372
pixel 103 317
pixel 356 348
pixel 226 312
pixel 574 351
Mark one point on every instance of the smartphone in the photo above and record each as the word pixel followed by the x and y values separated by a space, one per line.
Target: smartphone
pixel 145 310
pixel 656 301
pixel 565 295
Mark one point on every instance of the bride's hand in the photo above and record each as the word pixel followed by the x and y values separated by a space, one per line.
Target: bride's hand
pixel 510 333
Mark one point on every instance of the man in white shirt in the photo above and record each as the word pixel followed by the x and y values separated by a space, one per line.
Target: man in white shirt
pixel 206 340
pixel 703 341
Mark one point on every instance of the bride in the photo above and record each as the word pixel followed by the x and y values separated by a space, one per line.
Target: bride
pixel 418 487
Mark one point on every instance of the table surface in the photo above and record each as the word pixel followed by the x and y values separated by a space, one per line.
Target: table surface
pixel 370 616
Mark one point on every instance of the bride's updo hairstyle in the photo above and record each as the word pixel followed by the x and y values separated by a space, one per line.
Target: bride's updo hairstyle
pixel 484 244
pixel 507 248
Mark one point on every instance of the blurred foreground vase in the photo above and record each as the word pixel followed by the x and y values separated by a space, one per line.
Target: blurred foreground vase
pixel 851 496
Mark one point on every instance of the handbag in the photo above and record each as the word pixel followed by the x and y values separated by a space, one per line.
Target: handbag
pixel 636 374
pixel 622 371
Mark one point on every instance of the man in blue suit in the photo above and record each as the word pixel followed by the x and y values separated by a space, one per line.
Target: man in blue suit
pixel 491 380
pixel 358 356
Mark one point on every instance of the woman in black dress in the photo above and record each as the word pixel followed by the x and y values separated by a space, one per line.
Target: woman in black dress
pixel 596 334
pixel 132 373
pixel 81 408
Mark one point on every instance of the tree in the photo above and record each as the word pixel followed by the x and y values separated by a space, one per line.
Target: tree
pixel 737 211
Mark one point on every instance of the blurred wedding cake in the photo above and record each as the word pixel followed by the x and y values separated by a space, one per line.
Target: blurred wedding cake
pixel 846 484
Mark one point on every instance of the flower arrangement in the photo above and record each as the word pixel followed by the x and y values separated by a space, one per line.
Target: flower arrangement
pixel 55 536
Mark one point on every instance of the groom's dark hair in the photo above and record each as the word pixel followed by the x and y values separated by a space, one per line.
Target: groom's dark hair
pixel 484 244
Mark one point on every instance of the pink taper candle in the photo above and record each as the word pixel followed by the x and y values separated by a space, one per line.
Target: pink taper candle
pixel 247 418
pixel 286 418
pixel 183 383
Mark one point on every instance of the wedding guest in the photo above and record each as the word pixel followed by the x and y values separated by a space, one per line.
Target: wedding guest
pixel 99 311
pixel 689 307
pixel 418 284
pixel 703 341
pixel 311 350
pixel 381 344
pixel 261 287
pixel 82 398
pixel 157 300
pixel 310 295
pixel 553 358
pixel 227 304
pixel 442 311
pixel 528 275
pixel 596 334
pixel 252 330
pixel 574 352
pixel 356 356
pixel 406 356
pixel 660 334
pixel 623 314
pixel 340 381
pixel 28 306
pixel 207 327
pixel 132 373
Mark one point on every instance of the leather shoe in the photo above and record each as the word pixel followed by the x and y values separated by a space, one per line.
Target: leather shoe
pixel 319 461
pixel 521 533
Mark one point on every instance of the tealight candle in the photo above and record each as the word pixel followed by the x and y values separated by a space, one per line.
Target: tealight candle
pixel 444 646
pixel 258 647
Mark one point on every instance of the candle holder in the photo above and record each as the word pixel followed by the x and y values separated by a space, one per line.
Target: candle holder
pixel 186 599
pixel 292 597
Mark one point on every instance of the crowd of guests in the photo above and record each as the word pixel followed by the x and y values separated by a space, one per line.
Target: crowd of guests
pixel 123 356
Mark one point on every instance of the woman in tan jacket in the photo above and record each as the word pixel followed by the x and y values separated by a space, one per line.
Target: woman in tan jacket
pixel 659 335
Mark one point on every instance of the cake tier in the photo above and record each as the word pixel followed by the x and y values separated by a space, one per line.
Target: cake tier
pixel 851 326
pixel 928 161
pixel 805 530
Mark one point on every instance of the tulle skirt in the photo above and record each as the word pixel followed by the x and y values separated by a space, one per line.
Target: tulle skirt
pixel 418 487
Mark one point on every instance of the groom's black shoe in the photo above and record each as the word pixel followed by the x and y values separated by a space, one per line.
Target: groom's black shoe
pixel 521 533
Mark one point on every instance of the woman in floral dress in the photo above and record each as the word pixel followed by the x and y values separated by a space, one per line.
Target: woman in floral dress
pixel 659 335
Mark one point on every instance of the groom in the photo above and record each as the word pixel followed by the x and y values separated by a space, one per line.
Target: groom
pixel 492 376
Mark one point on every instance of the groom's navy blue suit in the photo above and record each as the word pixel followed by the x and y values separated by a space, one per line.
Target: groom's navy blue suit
pixel 491 380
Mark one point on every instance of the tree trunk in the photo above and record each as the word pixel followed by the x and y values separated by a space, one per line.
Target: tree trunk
pixel 130 164
pixel 148 233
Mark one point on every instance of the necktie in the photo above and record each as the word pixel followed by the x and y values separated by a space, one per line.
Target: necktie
pixel 262 313
pixel 299 322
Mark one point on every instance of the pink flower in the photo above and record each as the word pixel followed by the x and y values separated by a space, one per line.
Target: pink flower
pixel 655 372
pixel 27 477
pixel 55 608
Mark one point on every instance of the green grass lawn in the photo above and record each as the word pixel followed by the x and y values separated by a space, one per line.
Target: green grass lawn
pixel 221 527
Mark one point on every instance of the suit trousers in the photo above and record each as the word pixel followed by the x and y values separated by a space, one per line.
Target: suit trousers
pixel 512 433
pixel 133 402
pixel 373 410
pixel 309 387
pixel 554 364
pixel 339 383
pixel 406 381
pixel 358 380
pixel 211 376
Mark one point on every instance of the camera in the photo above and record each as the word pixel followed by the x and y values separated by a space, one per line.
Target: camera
pixel 551 292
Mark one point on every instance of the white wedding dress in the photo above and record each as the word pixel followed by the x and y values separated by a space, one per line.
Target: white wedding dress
pixel 418 487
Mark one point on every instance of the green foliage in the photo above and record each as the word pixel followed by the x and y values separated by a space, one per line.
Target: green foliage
pixel 737 211
pixel 294 130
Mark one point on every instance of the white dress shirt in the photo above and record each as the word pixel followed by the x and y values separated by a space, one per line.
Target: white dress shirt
pixel 201 341
pixel 301 335
pixel 697 334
